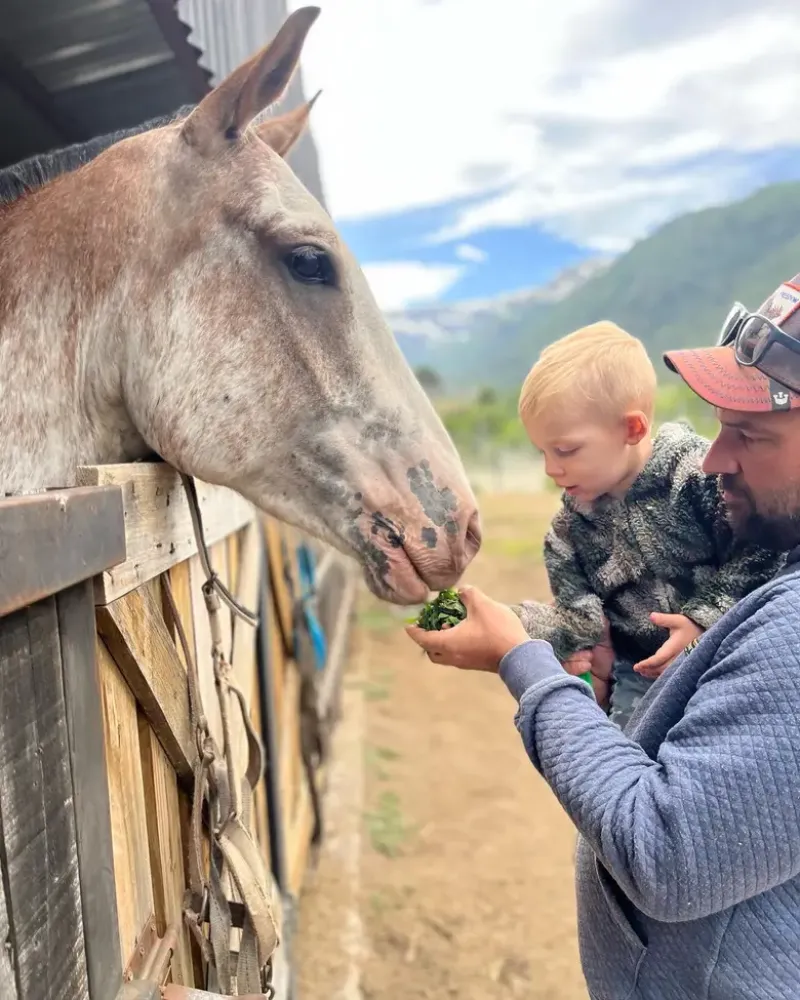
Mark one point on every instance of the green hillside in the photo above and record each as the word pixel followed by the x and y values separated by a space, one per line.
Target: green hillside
pixel 672 289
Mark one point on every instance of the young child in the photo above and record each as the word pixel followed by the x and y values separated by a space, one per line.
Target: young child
pixel 641 540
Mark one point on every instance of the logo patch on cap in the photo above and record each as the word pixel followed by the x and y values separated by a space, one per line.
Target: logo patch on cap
pixel 783 301
pixel 779 395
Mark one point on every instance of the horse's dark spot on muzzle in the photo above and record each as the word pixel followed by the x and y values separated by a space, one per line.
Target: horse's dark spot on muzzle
pixel 428 536
pixel 438 504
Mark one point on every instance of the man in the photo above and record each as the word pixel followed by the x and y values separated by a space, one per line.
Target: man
pixel 688 862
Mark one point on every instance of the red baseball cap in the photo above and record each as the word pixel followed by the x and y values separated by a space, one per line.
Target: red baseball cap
pixel 718 378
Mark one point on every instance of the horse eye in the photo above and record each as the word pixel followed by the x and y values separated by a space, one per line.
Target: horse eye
pixel 311 266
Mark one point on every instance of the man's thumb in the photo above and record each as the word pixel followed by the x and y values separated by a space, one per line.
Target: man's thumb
pixel 469 596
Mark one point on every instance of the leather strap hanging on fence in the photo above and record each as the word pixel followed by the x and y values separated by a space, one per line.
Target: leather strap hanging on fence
pixel 229 798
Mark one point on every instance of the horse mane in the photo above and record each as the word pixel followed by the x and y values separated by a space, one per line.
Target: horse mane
pixel 21 178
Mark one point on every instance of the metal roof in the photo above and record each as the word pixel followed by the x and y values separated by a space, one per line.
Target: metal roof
pixel 75 69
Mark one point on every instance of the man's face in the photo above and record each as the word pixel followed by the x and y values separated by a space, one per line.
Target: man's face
pixel 758 457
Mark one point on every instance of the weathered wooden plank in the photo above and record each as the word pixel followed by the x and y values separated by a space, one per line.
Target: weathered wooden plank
pixel 338 645
pixel 36 810
pixel 291 761
pixel 8 982
pixel 180 582
pixel 158 523
pixel 126 798
pixel 166 849
pixel 90 788
pixel 134 630
pixel 299 837
pixel 52 540
pixel 278 581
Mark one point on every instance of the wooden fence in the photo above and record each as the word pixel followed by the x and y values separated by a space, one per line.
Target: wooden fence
pixel 96 745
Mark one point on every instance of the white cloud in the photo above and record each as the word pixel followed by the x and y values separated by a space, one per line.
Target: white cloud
pixel 575 114
pixel 466 251
pixel 399 284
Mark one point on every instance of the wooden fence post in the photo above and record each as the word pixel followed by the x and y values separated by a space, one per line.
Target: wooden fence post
pixel 55 838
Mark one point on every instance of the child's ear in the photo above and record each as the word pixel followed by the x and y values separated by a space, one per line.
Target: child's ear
pixel 636 427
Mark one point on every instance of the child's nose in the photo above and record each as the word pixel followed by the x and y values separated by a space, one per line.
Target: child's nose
pixel 553 468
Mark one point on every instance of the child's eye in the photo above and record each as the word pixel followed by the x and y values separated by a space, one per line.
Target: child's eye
pixel 564 452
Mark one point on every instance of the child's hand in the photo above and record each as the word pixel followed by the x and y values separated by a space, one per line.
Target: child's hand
pixel 682 631
pixel 579 663
pixel 598 659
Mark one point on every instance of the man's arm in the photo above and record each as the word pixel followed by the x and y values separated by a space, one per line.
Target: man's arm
pixel 714 819
pixel 575 620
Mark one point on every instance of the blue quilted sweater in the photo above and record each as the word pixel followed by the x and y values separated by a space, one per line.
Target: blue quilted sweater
pixel 688 863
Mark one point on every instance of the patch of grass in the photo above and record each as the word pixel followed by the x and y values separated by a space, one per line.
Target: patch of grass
pixel 389 898
pixel 380 903
pixel 375 691
pixel 376 757
pixel 386 826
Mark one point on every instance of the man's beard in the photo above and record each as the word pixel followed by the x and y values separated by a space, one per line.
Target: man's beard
pixel 776 526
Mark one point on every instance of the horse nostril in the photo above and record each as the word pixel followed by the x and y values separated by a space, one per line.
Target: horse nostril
pixel 472 541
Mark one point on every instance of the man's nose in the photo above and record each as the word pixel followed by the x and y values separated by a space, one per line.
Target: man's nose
pixel 719 461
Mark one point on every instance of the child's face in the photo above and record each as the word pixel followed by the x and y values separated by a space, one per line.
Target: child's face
pixel 589 456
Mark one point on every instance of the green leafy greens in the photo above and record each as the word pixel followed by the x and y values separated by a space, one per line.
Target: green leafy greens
pixel 445 609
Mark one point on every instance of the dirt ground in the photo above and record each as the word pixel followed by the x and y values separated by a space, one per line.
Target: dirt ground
pixel 447 867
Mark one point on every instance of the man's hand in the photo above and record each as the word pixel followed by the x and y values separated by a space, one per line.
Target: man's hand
pixel 479 642
pixel 682 631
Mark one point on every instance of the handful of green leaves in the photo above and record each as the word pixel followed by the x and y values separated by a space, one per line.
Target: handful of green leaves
pixel 445 609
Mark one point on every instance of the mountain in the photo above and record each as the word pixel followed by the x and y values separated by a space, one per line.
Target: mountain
pixel 672 289
pixel 459 340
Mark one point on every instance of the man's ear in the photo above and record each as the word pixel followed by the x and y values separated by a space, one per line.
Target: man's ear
pixel 282 133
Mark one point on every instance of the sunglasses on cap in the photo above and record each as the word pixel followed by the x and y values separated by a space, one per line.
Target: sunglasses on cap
pixel 759 342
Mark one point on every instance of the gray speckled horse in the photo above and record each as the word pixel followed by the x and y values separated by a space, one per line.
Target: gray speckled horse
pixel 181 293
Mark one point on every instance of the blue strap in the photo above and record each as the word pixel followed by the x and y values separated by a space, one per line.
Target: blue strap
pixel 306 573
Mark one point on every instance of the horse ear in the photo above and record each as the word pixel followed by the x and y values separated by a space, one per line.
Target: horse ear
pixel 222 116
pixel 282 133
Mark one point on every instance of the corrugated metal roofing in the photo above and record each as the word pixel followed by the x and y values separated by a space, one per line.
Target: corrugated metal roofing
pixel 75 69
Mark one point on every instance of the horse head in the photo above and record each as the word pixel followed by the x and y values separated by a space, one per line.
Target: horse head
pixel 258 357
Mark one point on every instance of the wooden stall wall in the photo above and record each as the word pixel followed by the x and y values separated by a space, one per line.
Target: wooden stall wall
pixel 94 711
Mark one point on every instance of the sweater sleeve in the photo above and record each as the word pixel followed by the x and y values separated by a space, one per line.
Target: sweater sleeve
pixel 715 818
pixel 742 567
pixel 575 620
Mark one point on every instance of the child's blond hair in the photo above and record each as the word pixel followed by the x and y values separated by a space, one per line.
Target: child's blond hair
pixel 601 364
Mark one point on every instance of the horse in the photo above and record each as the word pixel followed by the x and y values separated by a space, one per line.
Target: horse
pixel 178 292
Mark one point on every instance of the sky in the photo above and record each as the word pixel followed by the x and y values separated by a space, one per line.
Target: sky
pixel 470 148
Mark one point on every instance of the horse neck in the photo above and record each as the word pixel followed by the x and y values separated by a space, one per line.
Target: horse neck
pixel 60 343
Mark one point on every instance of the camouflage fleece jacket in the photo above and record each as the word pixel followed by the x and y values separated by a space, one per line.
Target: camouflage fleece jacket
pixel 666 546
